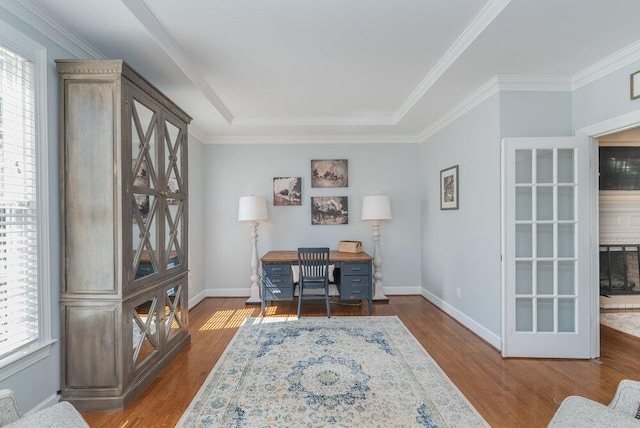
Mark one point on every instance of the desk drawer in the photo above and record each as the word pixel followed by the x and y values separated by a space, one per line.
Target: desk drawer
pixel 278 293
pixel 356 268
pixel 273 269
pixel 355 287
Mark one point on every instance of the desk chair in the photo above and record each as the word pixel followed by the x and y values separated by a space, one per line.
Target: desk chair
pixel 313 264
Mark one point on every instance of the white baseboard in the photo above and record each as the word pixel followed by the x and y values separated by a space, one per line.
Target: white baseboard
pixel 391 291
pixel 487 335
pixel 194 300
pixel 50 401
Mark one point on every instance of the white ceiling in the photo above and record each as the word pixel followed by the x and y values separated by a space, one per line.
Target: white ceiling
pixel 346 70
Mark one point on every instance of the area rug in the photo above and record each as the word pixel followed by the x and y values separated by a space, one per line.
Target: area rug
pixel 340 371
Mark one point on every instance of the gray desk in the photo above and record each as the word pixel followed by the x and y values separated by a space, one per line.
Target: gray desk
pixel 355 281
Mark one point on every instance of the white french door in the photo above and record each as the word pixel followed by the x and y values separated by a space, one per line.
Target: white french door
pixel 546 248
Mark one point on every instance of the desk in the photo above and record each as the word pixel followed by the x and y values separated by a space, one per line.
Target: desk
pixel 355 280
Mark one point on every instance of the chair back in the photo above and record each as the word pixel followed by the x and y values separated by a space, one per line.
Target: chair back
pixel 313 264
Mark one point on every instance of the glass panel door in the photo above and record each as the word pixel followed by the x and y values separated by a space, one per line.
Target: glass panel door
pixel 547 297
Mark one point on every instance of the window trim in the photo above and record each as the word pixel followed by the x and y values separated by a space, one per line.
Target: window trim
pixel 23 358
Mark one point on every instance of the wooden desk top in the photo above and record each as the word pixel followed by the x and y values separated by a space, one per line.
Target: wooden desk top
pixel 334 256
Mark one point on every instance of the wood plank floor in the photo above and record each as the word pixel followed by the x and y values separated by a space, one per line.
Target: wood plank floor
pixel 507 392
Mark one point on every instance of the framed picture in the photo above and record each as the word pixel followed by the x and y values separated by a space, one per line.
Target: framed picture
pixel 287 191
pixel 329 210
pixel 449 188
pixel 330 173
pixel 635 85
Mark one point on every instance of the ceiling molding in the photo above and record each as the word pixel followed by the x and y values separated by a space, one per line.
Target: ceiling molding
pixel 316 121
pixel 33 15
pixel 489 88
pixel 197 133
pixel 142 12
pixel 313 139
pixel 531 83
pixel 491 10
pixel 613 62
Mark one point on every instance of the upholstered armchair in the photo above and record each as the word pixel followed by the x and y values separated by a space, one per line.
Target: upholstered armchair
pixel 622 412
pixel 60 415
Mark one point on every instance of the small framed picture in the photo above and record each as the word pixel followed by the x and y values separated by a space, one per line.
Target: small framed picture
pixel 449 188
pixel 635 85
pixel 287 191
pixel 329 210
pixel 330 173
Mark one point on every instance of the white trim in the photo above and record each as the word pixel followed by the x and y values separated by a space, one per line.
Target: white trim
pixel 312 139
pixel 197 133
pixel 166 42
pixel 32 50
pixel 485 334
pixel 49 401
pixel 194 300
pixel 19 361
pixel 315 121
pixel 485 91
pixel 625 56
pixel 486 16
pixel 401 291
pixel 41 20
pixel 609 126
pixel 533 83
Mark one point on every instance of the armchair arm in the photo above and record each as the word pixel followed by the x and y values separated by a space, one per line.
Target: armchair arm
pixel 627 398
pixel 580 412
pixel 9 411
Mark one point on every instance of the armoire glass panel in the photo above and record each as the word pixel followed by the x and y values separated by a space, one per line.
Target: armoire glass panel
pixel 143 147
pixel 524 159
pixel 544 277
pixel 566 277
pixel 173 232
pixel 545 315
pixel 524 240
pixel 544 166
pixel 544 240
pixel 145 335
pixel 544 203
pixel 524 315
pixel 173 312
pixel 566 240
pixel 524 203
pixel 524 277
pixel 567 315
pixel 566 166
pixel 566 203
pixel 144 235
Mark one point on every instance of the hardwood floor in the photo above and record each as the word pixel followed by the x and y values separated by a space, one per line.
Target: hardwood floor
pixel 506 392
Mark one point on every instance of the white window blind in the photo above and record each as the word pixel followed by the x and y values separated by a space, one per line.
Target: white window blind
pixel 19 325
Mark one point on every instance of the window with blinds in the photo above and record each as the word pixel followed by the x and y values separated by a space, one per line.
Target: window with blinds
pixel 19 314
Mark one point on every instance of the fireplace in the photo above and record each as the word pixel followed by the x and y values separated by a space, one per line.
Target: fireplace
pixel 619 269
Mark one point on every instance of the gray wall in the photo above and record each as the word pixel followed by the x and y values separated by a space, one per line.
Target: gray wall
pixel 196 221
pixel 239 170
pixel 38 383
pixel 461 249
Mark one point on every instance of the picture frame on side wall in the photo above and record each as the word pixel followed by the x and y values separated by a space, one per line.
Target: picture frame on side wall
pixel 449 188
pixel 635 85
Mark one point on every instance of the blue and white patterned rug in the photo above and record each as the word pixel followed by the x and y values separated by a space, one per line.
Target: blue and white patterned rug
pixel 342 372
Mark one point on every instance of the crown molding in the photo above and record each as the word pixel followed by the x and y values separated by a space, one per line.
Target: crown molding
pixel 488 13
pixel 37 18
pixel 313 139
pixel 316 121
pixel 177 55
pixel 198 133
pixel 617 60
pixel 532 83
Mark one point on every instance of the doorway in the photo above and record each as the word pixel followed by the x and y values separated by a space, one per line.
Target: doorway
pixel 619 230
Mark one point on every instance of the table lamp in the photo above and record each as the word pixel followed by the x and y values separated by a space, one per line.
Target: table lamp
pixel 253 209
pixel 375 209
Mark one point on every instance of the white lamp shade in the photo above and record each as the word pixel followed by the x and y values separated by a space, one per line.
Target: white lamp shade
pixel 252 208
pixel 376 208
